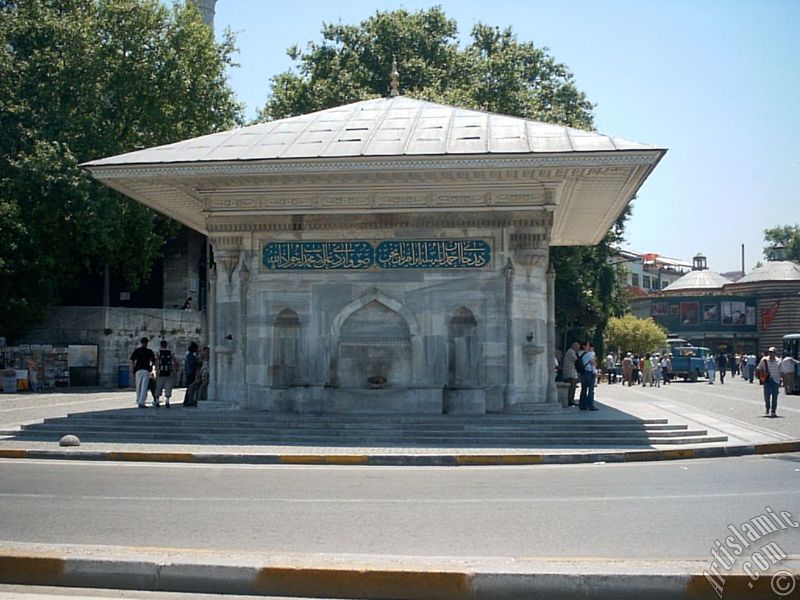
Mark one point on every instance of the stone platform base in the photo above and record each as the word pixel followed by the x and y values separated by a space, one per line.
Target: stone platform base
pixel 465 401
pixel 424 401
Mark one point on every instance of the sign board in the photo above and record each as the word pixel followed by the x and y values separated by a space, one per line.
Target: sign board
pixel 82 356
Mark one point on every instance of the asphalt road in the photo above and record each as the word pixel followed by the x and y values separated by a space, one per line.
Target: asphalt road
pixel 653 510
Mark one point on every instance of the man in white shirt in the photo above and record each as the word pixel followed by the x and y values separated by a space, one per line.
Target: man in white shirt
pixel 611 371
pixel 787 369
pixel 770 367
pixel 750 362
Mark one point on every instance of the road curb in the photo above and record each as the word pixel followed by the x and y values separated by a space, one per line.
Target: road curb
pixel 381 578
pixel 427 460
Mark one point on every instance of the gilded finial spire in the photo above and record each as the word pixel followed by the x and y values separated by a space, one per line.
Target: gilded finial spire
pixel 395 86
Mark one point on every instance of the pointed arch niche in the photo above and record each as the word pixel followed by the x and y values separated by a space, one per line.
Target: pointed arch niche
pixel 286 349
pixel 374 337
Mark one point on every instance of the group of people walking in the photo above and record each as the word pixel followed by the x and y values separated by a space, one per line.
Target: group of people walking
pixel 580 365
pixel 156 373
pixel 648 370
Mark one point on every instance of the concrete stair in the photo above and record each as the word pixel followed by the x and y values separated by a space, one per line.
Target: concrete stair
pixel 180 425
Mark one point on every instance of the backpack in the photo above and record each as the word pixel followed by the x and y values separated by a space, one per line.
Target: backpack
pixel 164 363
pixel 579 366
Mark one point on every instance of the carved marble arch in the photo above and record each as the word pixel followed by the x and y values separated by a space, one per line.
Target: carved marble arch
pixel 462 349
pixel 373 334
pixel 286 349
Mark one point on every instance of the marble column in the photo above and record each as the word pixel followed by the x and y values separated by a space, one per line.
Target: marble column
pixel 551 334
pixel 211 307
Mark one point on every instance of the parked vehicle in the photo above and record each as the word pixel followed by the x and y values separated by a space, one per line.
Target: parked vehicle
pixel 688 362
pixel 791 347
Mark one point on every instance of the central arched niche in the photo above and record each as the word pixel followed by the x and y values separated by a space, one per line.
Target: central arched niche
pixel 375 342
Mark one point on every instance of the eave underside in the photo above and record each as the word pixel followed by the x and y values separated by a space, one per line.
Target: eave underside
pixel 585 193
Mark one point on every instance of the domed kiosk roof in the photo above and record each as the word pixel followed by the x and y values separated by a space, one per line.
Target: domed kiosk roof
pixel 399 126
pixel 778 270
pixel 428 156
pixel 698 280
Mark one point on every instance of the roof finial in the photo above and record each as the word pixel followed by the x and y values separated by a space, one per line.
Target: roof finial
pixel 395 91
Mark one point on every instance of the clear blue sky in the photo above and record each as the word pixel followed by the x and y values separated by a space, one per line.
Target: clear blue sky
pixel 717 82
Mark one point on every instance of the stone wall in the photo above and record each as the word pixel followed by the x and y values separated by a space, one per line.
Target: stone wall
pixel 116 332
pixel 182 277
pixel 414 340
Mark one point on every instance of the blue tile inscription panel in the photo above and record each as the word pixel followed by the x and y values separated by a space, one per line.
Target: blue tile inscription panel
pixel 388 254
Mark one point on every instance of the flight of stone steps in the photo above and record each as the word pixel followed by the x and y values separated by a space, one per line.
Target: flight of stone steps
pixel 180 425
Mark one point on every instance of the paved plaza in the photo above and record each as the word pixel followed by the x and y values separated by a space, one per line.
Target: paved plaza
pixel 734 409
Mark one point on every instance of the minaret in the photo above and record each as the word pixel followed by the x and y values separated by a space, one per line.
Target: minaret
pixel 207 8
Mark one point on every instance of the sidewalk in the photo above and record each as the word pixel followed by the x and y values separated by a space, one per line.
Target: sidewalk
pixel 380 577
pixel 622 403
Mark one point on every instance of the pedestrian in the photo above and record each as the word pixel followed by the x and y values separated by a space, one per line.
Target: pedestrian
pixel 635 372
pixel 666 367
pixel 198 390
pixel 647 370
pixel 611 368
pixel 588 377
pixel 627 370
pixel 787 370
pixel 569 372
pixel 722 365
pixel 165 368
pixel 142 362
pixel 657 370
pixel 204 377
pixel 750 362
pixel 711 368
pixel 190 364
pixel 732 363
pixel 770 375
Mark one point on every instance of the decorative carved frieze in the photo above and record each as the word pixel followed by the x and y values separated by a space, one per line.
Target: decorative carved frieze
pixel 221 225
pixel 271 200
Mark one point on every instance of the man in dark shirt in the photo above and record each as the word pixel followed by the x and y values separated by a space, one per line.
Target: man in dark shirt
pixel 142 362
pixel 722 366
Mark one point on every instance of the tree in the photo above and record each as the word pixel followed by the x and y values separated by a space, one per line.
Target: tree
pixel 630 334
pixel 494 72
pixel 82 79
pixel 788 236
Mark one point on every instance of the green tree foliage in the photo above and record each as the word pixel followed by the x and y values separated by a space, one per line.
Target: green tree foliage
pixel 79 80
pixel 788 235
pixel 629 334
pixel 494 72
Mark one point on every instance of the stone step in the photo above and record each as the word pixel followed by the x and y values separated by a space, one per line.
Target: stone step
pixel 532 442
pixel 234 427
pixel 356 427
pixel 340 434
pixel 384 421
pixel 181 413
